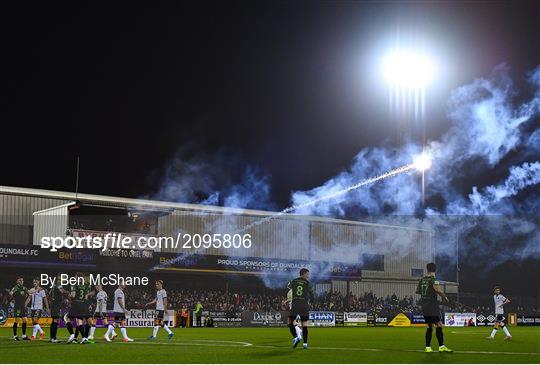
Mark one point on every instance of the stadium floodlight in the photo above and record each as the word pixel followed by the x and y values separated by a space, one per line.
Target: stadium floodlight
pixel 408 69
pixel 422 162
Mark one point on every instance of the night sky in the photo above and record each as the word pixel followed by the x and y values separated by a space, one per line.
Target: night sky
pixel 290 88
pixel 126 86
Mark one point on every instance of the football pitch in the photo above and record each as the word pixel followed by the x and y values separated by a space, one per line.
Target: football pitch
pixel 273 345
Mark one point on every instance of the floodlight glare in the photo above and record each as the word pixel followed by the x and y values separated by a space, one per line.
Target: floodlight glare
pixel 408 69
pixel 422 162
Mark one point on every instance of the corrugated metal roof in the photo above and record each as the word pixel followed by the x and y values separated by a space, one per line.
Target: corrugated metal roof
pixel 156 204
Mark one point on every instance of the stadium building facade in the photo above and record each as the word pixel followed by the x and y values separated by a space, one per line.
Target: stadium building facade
pixel 346 256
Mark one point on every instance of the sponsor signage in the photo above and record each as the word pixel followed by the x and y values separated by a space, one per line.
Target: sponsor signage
pixel 459 319
pixel 264 319
pixel 3 315
pixel 528 321
pixel 381 320
pixel 485 319
pixel 417 320
pixel 355 319
pixel 223 319
pixel 129 259
pixel 43 322
pixel 322 319
pixel 401 320
pixel 340 317
pixel 37 257
pixel 258 265
pixel 145 318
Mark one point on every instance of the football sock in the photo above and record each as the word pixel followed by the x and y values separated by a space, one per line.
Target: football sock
pixel 92 330
pixel 124 333
pixel 506 331
pixel 69 327
pixel 15 328
pixel 40 329
pixel 80 329
pixel 304 334
pixel 166 328
pixel 292 330
pixel 298 330
pixel 429 333
pixel 24 328
pixel 54 328
pixel 439 334
pixel 493 332
pixel 34 332
pixel 154 332
pixel 109 330
pixel 86 330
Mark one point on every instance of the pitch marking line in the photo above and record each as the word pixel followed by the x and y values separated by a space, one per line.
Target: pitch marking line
pixel 247 344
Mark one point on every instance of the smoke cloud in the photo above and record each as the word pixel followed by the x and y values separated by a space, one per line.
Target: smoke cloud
pixel 480 191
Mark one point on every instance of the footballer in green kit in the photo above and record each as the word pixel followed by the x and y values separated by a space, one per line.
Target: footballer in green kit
pixel 19 293
pixel 429 289
pixel 302 295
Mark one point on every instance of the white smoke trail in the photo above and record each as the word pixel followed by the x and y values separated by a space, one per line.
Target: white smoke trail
pixel 333 195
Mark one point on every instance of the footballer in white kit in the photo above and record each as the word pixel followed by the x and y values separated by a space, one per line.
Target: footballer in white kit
pixel 37 297
pixel 100 312
pixel 161 306
pixel 119 309
pixel 499 300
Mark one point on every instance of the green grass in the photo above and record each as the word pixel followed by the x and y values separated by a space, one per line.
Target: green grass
pixel 273 345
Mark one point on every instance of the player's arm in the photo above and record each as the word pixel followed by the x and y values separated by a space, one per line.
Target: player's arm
pixel 152 302
pixel 419 287
pixel 505 301
pixel 120 301
pixel 438 289
pixel 72 293
pixel 26 301
pixel 12 292
pixel 288 298
pixel 165 302
pixel 89 294
pixel 311 293
pixel 46 301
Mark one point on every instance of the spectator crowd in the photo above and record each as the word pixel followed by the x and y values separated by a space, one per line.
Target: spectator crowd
pixel 268 299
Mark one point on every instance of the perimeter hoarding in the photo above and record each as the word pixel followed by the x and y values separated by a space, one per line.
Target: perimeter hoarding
pixel 485 319
pixel 35 257
pixel 148 260
pixel 322 319
pixel 257 265
pixel 265 319
pixel 355 319
pixel 528 321
pixel 222 318
pixel 145 318
pixel 459 319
